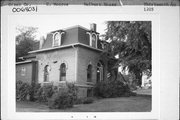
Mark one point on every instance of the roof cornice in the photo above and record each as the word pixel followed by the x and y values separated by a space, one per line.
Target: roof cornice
pixel 23 62
pixel 66 46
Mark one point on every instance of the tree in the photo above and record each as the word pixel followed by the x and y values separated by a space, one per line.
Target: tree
pixel 131 41
pixel 24 41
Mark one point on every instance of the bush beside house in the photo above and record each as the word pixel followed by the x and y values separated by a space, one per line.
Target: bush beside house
pixel 44 93
pixel 62 98
pixel 112 88
pixel 23 91
pixel 66 97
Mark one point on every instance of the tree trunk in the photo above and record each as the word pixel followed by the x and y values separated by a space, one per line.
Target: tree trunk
pixel 124 80
pixel 114 74
pixel 138 78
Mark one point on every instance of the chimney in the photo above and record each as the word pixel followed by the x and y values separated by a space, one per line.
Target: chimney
pixel 41 42
pixel 93 27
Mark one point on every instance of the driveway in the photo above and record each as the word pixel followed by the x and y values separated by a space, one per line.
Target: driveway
pixel 122 104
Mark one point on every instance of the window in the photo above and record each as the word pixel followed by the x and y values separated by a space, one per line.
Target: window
pixel 89 73
pixel 63 72
pixel 100 72
pixel 23 71
pixel 46 73
pixel 93 40
pixel 57 39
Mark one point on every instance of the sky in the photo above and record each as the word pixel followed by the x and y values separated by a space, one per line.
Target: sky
pixel 48 23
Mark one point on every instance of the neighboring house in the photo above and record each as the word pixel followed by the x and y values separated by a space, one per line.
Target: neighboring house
pixel 68 55
pixel 146 81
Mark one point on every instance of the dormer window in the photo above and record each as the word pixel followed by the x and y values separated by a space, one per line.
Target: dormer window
pixel 93 39
pixel 57 38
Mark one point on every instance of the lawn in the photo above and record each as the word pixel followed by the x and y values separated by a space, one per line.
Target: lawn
pixel 122 104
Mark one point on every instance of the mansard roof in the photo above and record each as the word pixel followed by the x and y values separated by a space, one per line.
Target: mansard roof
pixel 75 34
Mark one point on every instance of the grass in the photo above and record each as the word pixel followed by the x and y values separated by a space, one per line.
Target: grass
pixel 122 104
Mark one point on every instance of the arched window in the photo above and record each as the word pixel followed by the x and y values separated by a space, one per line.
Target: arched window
pixel 93 37
pixel 63 72
pixel 46 73
pixel 57 38
pixel 23 71
pixel 89 73
pixel 100 72
pixel 94 40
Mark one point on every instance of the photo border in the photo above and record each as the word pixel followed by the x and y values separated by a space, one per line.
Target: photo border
pixel 154 114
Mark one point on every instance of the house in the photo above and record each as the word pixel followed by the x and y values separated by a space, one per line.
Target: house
pixel 67 55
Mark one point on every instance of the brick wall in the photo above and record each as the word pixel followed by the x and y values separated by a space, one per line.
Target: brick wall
pixel 76 59
pixel 54 59
pixel 24 72
pixel 86 57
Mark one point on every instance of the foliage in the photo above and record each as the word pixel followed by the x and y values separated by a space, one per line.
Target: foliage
pixel 61 100
pixel 23 90
pixel 131 41
pixel 25 32
pixel 24 47
pixel 64 98
pixel 44 93
pixel 25 41
pixel 88 100
pixel 79 101
pixel 34 90
pixel 56 98
pixel 111 88
pixel 72 89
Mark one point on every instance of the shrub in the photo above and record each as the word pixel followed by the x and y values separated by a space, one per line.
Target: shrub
pixel 56 98
pixel 34 89
pixel 61 100
pixel 44 93
pixel 111 88
pixel 88 100
pixel 23 90
pixel 65 97
pixel 72 89
pixel 79 101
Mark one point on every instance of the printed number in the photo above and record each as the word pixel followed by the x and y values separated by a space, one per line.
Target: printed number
pixel 148 9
